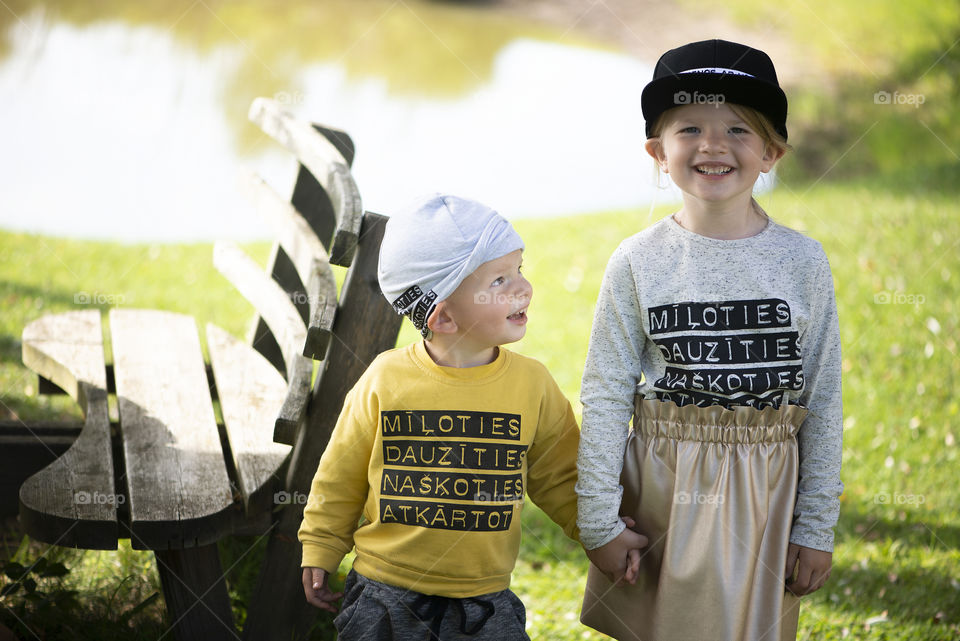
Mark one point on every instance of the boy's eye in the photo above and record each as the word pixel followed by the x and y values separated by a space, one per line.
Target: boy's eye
pixel 498 281
pixel 690 130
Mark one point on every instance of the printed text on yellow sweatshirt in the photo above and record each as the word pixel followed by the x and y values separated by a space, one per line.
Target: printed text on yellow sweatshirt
pixel 436 461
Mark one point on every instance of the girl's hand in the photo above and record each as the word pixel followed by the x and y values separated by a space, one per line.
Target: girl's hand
pixel 317 591
pixel 619 559
pixel 807 569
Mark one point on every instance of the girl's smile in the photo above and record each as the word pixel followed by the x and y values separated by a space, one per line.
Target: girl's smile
pixel 715 158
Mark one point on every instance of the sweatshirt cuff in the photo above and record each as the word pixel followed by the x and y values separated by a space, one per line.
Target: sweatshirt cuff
pixel 593 538
pixel 318 556
pixel 809 538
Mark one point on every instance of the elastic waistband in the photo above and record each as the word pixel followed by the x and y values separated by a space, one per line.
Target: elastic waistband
pixel 716 424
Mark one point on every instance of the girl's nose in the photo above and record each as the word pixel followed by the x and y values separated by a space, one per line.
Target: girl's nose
pixel 712 141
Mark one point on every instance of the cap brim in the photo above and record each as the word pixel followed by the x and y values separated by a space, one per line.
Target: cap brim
pixel 699 88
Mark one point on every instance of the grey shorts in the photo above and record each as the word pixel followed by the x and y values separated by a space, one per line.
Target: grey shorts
pixel 374 611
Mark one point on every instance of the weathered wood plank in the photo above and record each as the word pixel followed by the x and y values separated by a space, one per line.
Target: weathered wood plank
pixel 266 296
pixel 251 395
pixel 309 197
pixel 284 323
pixel 196 595
pixel 366 325
pixel 295 405
pixel 73 502
pixel 47 387
pixel 285 274
pixel 179 491
pixel 327 165
pixel 308 256
pixel 67 348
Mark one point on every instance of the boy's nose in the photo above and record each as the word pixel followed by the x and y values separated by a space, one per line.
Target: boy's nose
pixel 524 289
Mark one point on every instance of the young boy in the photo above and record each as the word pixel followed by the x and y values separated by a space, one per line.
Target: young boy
pixel 438 442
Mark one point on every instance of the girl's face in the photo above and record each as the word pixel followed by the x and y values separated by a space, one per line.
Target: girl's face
pixel 712 155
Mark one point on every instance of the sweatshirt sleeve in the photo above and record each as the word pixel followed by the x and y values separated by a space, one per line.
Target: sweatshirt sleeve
pixel 610 377
pixel 821 434
pixel 552 461
pixel 339 489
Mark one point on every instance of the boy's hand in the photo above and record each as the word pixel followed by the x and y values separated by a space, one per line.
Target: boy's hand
pixel 317 591
pixel 619 559
pixel 807 569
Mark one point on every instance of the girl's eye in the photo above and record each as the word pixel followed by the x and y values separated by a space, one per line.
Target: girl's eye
pixel 498 281
pixel 739 131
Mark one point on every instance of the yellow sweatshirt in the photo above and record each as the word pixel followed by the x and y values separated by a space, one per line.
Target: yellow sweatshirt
pixel 437 460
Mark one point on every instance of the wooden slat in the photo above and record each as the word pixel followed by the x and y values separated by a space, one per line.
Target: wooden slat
pixel 309 197
pixel 284 274
pixel 284 323
pixel 366 325
pixel 179 491
pixel 73 501
pixel 47 387
pixel 251 395
pixel 67 349
pixel 267 298
pixel 322 293
pixel 310 259
pixel 327 165
pixel 295 405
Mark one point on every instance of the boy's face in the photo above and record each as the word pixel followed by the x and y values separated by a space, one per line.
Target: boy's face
pixel 711 153
pixel 490 305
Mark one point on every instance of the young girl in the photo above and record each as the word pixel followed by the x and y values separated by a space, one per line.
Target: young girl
pixel 716 331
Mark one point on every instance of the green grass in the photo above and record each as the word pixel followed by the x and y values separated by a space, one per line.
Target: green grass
pixel 897 273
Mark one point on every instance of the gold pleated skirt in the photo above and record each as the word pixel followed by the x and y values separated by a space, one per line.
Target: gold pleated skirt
pixel 713 489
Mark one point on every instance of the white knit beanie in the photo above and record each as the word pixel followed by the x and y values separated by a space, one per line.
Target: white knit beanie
pixel 429 248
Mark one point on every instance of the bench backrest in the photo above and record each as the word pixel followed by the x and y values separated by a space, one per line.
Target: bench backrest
pixel 296 297
pixel 326 197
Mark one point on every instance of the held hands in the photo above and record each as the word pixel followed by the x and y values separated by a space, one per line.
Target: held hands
pixel 619 559
pixel 807 569
pixel 317 591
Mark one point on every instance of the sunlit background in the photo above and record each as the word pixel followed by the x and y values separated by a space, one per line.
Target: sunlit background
pixel 127 120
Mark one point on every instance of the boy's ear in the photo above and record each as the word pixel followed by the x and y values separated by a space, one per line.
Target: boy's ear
pixel 654 147
pixel 440 321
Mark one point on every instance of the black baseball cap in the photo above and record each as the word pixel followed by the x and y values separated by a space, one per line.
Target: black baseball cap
pixel 715 71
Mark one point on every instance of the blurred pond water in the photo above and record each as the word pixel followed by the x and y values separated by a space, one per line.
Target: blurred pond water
pixel 127 120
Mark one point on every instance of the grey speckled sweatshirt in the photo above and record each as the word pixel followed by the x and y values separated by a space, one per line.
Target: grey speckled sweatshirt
pixel 693 319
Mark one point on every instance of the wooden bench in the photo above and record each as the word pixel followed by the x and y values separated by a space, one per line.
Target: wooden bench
pixel 168 476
